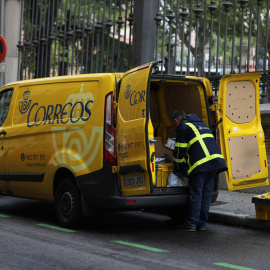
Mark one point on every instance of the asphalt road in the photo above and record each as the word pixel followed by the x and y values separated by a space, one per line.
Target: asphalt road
pixel 31 239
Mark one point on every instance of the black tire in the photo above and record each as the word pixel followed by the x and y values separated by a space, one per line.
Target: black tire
pixel 68 204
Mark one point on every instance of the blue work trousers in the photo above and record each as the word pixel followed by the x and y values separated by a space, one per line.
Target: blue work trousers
pixel 201 186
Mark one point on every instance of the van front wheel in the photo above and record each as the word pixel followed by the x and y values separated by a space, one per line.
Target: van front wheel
pixel 67 204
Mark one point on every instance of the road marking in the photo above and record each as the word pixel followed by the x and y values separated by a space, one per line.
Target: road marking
pixel 140 246
pixel 55 228
pixel 1 215
pixel 233 266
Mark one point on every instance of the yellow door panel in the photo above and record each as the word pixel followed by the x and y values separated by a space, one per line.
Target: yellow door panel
pixel 134 131
pixel 241 135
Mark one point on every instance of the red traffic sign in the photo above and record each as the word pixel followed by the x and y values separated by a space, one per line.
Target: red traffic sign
pixel 3 48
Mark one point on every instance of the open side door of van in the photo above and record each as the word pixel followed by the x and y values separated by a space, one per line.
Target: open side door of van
pixel 241 135
pixel 135 134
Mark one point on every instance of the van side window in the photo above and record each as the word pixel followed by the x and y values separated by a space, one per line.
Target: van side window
pixel 5 99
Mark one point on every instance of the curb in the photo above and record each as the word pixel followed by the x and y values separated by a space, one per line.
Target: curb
pixel 239 220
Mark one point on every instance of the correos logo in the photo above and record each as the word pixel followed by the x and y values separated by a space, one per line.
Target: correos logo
pixel 25 104
pixel 68 113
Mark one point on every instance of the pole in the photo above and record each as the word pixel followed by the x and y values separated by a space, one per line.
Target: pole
pixel 2 33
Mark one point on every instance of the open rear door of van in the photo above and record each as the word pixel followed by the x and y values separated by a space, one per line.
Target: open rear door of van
pixel 135 134
pixel 241 135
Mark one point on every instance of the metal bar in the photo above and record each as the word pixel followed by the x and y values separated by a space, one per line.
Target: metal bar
pixel 233 37
pixel 243 4
pixel 226 5
pixel 175 37
pixel 47 44
pixel 43 40
pixel 124 44
pixel 87 29
pixel 163 36
pixel 78 32
pixel 83 30
pixel 114 27
pixel 184 13
pixel 60 36
pixel 73 39
pixel 212 8
pixel 55 41
pixel 69 36
pixel 170 17
pixel 189 39
pixel 119 25
pixel 108 26
pixel 249 35
pixel 204 30
pixel 103 38
pixel 51 36
pixel 31 46
pixel 93 38
pixel 259 3
pixel 197 11
pixel 64 72
pixel 98 27
pixel 218 37
pixel 130 19
pixel 266 39
pixel 39 39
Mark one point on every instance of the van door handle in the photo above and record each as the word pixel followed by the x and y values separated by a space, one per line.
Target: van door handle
pixel 152 141
pixel 3 132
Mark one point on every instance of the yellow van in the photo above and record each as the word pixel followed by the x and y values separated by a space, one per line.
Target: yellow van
pixel 93 142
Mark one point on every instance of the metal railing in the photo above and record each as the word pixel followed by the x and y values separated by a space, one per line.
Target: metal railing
pixel 74 36
pixel 201 38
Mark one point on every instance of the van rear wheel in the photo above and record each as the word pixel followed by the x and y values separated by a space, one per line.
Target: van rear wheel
pixel 68 204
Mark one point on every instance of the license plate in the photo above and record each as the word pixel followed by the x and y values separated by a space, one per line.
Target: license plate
pixel 134 181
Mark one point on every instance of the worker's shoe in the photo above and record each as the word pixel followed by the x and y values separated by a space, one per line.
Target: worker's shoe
pixel 185 228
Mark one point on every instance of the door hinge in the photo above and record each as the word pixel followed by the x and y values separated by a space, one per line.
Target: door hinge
pixel 213 107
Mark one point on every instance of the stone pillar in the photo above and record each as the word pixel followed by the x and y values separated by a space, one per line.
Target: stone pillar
pixel 2 33
pixel 12 34
pixel 144 31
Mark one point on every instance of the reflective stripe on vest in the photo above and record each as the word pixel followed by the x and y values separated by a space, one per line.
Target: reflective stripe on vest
pixel 199 137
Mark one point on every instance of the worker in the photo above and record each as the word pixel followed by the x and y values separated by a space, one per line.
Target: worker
pixel 196 146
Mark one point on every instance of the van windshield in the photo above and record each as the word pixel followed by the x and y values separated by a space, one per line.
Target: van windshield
pixel 5 99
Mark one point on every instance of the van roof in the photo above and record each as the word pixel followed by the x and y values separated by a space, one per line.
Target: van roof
pixel 65 77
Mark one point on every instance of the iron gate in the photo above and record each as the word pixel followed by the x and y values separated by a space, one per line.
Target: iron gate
pixel 62 37
pixel 202 37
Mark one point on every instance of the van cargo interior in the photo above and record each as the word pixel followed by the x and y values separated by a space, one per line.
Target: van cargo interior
pixel 166 96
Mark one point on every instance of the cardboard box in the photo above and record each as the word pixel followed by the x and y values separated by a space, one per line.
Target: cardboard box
pixel 160 150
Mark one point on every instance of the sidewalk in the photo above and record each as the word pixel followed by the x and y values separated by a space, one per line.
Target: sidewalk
pixel 236 209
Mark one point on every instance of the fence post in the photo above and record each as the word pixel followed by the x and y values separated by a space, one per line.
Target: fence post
pixel 144 31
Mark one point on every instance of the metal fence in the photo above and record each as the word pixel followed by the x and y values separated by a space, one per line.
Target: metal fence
pixel 74 36
pixel 202 38
pixel 212 38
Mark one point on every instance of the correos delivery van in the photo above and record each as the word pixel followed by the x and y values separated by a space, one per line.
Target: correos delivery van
pixel 91 142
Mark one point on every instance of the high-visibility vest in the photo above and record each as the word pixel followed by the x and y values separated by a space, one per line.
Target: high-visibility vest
pixel 196 145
